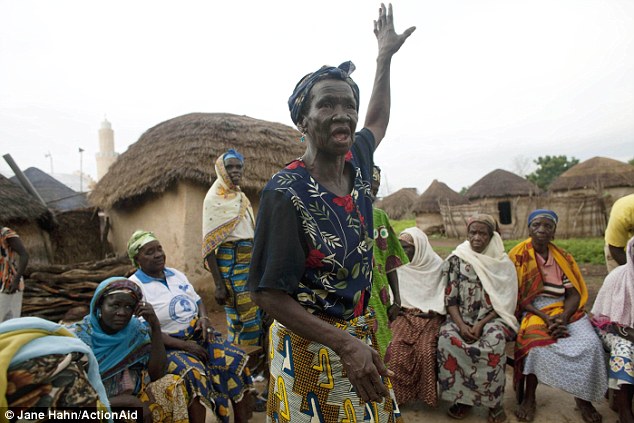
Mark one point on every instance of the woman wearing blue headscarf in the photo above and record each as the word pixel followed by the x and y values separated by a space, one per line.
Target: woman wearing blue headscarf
pixel 130 352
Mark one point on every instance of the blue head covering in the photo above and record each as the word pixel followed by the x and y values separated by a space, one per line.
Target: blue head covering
pixel 303 87
pixel 548 214
pixel 233 154
pixel 114 352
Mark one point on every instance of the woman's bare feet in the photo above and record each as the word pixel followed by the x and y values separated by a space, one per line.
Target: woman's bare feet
pixel 525 412
pixel 588 412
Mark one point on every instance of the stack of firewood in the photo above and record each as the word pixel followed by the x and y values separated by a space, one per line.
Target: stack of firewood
pixel 53 289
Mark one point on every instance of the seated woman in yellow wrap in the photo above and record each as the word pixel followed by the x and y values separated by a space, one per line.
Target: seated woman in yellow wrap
pixel 556 343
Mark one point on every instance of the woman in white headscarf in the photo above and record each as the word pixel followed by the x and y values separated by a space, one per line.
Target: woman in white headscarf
pixel 480 296
pixel 613 312
pixel 412 352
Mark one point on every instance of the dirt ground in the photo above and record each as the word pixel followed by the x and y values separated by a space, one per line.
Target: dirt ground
pixel 553 405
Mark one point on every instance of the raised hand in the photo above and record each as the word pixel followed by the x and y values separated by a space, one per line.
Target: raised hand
pixel 389 41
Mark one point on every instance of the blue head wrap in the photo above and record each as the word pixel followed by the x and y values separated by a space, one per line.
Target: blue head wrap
pixel 114 352
pixel 303 87
pixel 233 154
pixel 548 214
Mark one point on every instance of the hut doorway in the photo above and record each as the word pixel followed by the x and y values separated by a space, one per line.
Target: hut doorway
pixel 504 211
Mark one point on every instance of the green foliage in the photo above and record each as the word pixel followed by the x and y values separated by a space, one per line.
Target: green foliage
pixel 631 161
pixel 549 168
pixel 464 190
pixel 584 250
pixel 400 225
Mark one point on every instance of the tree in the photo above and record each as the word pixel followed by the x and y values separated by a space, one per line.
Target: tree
pixel 631 161
pixel 521 165
pixel 549 168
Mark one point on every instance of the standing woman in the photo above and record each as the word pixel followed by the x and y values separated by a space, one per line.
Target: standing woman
pixel 228 228
pixel 312 258
pixel 480 296
pixel 556 343
pixel 388 257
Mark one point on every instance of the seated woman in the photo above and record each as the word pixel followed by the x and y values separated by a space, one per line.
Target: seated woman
pixel 556 343
pixel 42 364
pixel 130 352
pixel 214 370
pixel 480 296
pixel 614 318
pixel 412 352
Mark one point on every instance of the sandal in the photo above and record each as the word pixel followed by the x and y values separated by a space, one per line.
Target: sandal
pixel 497 415
pixel 458 411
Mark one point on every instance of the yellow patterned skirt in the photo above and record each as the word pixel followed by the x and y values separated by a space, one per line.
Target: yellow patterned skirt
pixel 307 380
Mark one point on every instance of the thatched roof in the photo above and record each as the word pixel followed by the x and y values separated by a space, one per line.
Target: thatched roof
pixel 501 183
pixel 18 205
pixel 438 192
pixel 399 204
pixel 57 195
pixel 186 148
pixel 597 172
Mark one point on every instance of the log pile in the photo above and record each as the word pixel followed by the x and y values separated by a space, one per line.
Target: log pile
pixel 51 290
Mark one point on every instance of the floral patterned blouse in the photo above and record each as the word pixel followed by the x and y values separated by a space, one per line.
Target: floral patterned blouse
pixel 314 245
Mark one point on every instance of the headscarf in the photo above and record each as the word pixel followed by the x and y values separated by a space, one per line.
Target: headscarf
pixel 485 219
pixel 303 87
pixel 548 214
pixel 233 154
pixel 616 296
pixel 497 275
pixel 26 338
pixel 118 351
pixel 224 206
pixel 137 241
pixel 420 281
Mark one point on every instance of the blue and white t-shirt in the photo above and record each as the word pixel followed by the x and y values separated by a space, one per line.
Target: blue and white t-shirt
pixel 174 300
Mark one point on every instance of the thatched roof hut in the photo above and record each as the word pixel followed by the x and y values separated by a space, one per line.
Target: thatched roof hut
pixel 398 205
pixel 160 182
pixel 18 205
pixel 437 193
pixel 597 171
pixel 185 148
pixel 501 183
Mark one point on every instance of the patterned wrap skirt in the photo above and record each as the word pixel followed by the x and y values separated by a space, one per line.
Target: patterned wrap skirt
pixel 621 367
pixel 51 381
pixel 575 364
pixel 307 381
pixel 225 378
pixel 412 357
pixel 244 322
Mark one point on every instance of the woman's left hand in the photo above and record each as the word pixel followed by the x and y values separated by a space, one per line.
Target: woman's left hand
pixel 389 41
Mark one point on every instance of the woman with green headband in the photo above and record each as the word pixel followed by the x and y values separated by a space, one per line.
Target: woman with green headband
pixel 214 370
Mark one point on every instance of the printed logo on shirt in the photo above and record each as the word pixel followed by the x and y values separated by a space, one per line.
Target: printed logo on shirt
pixel 182 308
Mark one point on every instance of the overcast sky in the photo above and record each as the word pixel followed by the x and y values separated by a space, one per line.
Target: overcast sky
pixel 480 85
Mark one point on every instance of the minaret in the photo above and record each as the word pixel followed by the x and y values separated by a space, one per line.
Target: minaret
pixel 106 155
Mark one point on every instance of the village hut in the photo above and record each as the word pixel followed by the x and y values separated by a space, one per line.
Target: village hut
pixel 427 206
pixel 160 182
pixel 28 217
pixel 500 193
pixel 398 205
pixel 76 235
pixel 599 176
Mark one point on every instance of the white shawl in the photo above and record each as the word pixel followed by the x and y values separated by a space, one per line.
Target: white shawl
pixel 420 282
pixel 497 274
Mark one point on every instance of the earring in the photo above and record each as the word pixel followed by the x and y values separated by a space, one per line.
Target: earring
pixel 99 314
pixel 302 138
